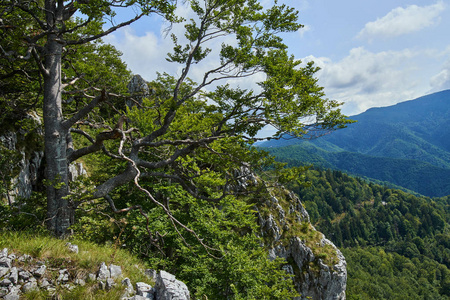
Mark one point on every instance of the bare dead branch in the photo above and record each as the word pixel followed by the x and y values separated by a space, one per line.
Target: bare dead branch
pixel 93 125
pixel 174 221
pixel 168 161
pixel 97 144
pixel 72 82
pixel 103 148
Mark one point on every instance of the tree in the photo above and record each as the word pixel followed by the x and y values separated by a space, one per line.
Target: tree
pixel 45 31
pixel 183 119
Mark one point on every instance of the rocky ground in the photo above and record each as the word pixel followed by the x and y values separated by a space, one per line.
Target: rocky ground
pixel 24 274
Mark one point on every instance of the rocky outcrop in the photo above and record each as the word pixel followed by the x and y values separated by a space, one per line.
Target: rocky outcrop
pixel 24 274
pixel 76 169
pixel 319 268
pixel 25 142
pixel 138 88
pixel 169 288
pixel 30 164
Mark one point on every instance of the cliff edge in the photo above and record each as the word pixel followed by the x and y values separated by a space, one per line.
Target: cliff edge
pixel 319 268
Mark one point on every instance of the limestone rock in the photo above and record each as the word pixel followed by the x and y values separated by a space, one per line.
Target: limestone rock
pixel 5 262
pixel 30 286
pixel 25 258
pixel 115 271
pixel 139 90
pixel 4 252
pixel 3 271
pixel 151 273
pixel 68 286
pixel 72 248
pixel 13 294
pixel 323 281
pixel 63 276
pixel 3 292
pixel 103 272
pixel 145 290
pixel 13 275
pixel 6 283
pixel 169 288
pixel 271 227
pixel 76 169
pixel 40 271
pixel 15 281
pixel 101 285
pixel 314 279
pixel 30 165
pixel 110 283
pixel 24 275
pixel 44 283
pixel 129 290
pixel 137 297
pixel 80 282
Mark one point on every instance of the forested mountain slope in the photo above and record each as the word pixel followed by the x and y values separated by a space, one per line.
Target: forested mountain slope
pixel 418 176
pixel 396 244
pixel 407 144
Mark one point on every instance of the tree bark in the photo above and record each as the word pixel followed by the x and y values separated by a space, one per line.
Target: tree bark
pixel 60 213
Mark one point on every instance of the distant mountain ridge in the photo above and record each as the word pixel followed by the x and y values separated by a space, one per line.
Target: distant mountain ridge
pixel 407 144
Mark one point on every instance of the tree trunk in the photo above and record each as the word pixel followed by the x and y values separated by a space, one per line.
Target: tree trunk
pixel 60 213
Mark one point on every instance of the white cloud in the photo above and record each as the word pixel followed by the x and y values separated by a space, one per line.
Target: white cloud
pixel 441 81
pixel 402 21
pixel 303 30
pixel 145 55
pixel 365 79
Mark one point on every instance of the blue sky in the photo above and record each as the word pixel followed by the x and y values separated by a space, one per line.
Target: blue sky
pixel 371 53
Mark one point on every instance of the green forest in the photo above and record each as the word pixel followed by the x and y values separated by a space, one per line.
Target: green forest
pixel 408 174
pixel 405 145
pixel 396 244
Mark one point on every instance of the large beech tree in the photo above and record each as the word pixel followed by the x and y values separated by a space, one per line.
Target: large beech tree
pixel 183 118
pixel 43 31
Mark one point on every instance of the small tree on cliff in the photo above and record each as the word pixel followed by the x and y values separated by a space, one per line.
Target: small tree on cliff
pixel 288 98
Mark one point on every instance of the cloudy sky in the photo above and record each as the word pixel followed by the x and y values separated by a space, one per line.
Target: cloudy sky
pixel 371 53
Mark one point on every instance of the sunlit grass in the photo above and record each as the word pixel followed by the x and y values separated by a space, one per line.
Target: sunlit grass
pixel 55 254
